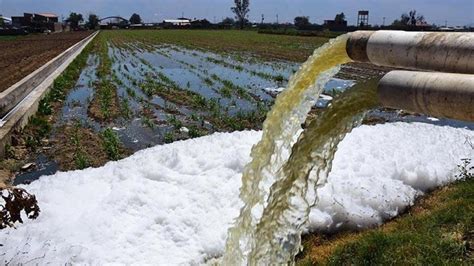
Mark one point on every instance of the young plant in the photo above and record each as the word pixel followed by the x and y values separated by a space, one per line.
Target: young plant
pixel 226 92
pixel 175 122
pixel 148 122
pixel 111 144
pixel 126 110
pixel 80 158
pixel 279 79
pixel 194 132
pixel 168 138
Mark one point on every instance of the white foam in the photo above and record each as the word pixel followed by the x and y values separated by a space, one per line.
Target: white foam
pixel 172 204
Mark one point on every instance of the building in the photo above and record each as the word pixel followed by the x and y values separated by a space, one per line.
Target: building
pixel 38 22
pixel 177 22
pixel 5 20
pixel 363 18
pixel 339 23
pixel 335 23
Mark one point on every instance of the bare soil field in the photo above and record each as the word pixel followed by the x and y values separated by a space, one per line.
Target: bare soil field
pixel 21 56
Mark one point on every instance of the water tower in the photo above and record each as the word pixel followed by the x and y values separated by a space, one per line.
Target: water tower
pixel 363 18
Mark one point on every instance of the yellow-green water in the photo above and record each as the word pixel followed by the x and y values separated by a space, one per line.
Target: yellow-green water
pixel 275 184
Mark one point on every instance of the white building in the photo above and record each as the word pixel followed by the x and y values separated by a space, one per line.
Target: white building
pixel 6 20
pixel 177 22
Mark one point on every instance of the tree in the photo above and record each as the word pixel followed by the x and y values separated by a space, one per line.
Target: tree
pixel 228 21
pixel 340 18
pixel 302 22
pixel 201 24
pixel 414 19
pixel 75 19
pixel 135 19
pixel 410 19
pixel 241 9
pixel 93 21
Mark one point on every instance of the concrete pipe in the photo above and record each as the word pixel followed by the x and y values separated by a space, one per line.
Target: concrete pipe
pixel 436 94
pixel 437 51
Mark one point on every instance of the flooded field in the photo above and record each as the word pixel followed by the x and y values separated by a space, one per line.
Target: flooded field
pixel 131 95
pixel 165 93
pixel 127 93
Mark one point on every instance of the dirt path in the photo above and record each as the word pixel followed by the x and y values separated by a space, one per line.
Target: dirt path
pixel 21 56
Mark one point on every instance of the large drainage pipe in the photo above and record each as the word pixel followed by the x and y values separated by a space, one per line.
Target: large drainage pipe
pixel 437 51
pixel 448 95
pixel 437 94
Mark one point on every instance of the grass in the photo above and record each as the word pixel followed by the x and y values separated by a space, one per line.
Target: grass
pixel 106 95
pixel 39 125
pixel 10 38
pixel 169 137
pixel 146 121
pixel 81 160
pixel 438 230
pixel 105 105
pixel 175 122
pixel 111 144
pixel 265 46
pixel 194 132
pixel 226 92
pixel 125 108
pixel 306 33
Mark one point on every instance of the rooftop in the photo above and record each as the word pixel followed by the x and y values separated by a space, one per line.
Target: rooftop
pixel 177 20
pixel 48 15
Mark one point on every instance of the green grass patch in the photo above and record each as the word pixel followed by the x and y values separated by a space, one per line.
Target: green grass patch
pixel 438 230
pixel 111 144
pixel 81 160
pixel 10 37
pixel 266 46
pixel 169 137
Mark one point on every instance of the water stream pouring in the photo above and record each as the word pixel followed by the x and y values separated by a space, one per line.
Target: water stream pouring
pixel 270 155
pixel 278 185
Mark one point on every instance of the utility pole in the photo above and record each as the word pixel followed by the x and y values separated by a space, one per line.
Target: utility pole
pixel 277 20
pixel 445 23
pixel 263 18
pixel 383 21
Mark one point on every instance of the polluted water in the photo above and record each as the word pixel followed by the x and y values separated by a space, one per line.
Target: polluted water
pixel 288 164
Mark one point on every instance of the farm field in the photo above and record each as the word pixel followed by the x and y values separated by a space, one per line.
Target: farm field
pixel 19 56
pixel 265 46
pixel 130 90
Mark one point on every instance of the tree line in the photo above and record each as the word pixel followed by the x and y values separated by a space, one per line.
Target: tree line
pixel 241 9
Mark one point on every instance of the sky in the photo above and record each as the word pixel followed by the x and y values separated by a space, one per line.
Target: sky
pixel 455 12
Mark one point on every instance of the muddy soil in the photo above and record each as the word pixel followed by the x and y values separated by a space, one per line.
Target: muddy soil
pixel 96 109
pixel 362 71
pixel 20 57
pixel 76 143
